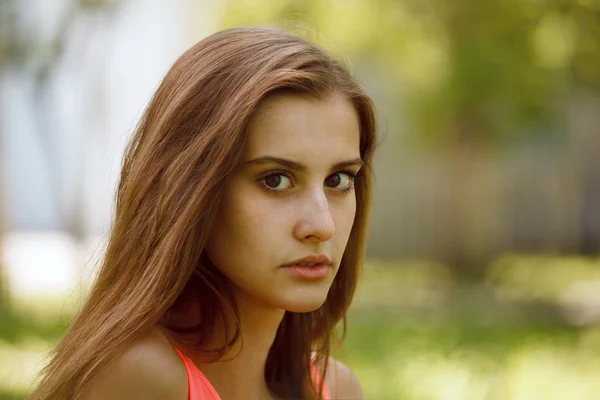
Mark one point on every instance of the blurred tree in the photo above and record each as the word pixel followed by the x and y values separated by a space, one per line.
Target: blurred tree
pixel 477 75
pixel 25 49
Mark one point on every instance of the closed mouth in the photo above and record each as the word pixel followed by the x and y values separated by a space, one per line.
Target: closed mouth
pixel 310 261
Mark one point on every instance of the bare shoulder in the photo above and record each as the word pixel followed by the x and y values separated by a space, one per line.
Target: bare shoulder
pixel 342 382
pixel 148 369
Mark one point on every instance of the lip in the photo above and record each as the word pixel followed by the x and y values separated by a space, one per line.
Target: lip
pixel 319 259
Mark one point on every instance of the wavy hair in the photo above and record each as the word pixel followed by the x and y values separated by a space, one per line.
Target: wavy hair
pixel 188 143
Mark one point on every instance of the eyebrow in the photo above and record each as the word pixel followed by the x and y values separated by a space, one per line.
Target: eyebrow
pixel 299 166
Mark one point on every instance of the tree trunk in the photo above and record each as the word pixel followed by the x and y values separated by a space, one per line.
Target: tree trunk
pixel 457 250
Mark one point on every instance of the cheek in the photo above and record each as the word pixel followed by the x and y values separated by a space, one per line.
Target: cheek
pixel 246 226
pixel 344 219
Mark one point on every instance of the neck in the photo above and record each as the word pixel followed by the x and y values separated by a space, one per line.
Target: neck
pixel 239 374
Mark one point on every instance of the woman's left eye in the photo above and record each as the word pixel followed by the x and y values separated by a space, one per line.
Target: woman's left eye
pixel 340 180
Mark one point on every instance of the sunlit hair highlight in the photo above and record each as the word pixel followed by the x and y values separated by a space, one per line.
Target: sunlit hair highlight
pixel 188 143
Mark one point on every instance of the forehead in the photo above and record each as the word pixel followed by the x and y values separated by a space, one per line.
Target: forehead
pixel 300 126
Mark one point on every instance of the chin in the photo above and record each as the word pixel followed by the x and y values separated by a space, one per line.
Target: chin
pixel 304 305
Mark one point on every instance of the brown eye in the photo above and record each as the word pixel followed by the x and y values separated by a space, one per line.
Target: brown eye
pixel 333 180
pixel 276 182
pixel 343 181
pixel 273 181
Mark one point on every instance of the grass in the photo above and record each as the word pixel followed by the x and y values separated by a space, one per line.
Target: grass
pixel 407 360
pixel 415 334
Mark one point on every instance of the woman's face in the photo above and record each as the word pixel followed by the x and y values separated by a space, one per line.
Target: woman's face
pixel 291 198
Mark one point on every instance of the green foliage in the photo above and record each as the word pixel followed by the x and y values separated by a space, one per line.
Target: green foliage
pixel 445 341
pixel 482 72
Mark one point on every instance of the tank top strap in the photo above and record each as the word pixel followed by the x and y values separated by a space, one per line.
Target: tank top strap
pixel 199 388
pixel 316 379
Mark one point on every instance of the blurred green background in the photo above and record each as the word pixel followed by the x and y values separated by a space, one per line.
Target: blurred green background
pixel 483 277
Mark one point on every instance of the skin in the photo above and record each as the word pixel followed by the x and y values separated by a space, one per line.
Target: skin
pixel 270 215
pixel 309 213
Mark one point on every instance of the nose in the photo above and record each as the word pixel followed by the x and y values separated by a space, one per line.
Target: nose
pixel 316 223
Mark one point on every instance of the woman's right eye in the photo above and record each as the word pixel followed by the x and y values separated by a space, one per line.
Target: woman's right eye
pixel 276 182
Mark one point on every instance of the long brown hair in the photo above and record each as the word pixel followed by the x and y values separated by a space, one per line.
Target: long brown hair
pixel 187 144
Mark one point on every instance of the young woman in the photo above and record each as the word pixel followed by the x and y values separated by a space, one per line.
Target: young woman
pixel 238 236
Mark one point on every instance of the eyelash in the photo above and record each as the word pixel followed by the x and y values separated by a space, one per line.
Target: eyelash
pixel 285 173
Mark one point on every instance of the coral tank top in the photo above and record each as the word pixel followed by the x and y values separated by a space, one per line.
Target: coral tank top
pixel 199 388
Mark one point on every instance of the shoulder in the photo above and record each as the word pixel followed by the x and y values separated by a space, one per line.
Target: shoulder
pixel 148 369
pixel 342 382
